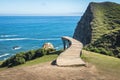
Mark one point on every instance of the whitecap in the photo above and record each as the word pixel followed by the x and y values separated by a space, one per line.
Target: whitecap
pixel 3 36
pixel 16 39
pixel 16 47
pixel 46 39
pixel 13 39
pixel 6 54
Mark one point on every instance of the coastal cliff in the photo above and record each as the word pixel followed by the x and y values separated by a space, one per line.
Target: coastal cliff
pixel 99 28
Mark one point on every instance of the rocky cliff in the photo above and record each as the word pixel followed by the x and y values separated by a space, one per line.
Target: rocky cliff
pixel 98 24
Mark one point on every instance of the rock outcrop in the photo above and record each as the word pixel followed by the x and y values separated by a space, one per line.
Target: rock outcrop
pixel 47 46
pixel 98 21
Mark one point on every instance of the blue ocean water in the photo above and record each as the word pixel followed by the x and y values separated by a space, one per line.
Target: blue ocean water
pixel 31 32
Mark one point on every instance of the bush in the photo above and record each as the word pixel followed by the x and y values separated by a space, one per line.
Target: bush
pixel 118 55
pixel 30 55
pixel 96 50
pixel 22 57
pixel 14 60
pixel 44 51
pixel 49 51
pixel 17 60
pixel 39 53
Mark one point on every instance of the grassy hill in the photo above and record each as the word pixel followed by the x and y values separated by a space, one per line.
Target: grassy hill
pixel 106 65
pixel 39 60
pixel 99 28
pixel 108 44
pixel 31 57
pixel 106 18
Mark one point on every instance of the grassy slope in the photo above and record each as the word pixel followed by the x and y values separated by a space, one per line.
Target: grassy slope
pixel 108 44
pixel 105 28
pixel 106 18
pixel 42 59
pixel 105 64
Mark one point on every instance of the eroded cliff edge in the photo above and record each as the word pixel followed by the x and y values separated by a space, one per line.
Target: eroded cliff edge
pixel 99 28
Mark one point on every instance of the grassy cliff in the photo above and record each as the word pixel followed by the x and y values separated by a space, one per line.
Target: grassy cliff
pixel 99 28
pixel 106 18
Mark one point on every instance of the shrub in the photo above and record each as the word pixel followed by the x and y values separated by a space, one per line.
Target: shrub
pixel 39 53
pixel 43 51
pixel 49 51
pixel 22 57
pixel 14 60
pixel 30 55
pixel 17 60
pixel 96 50
pixel 118 55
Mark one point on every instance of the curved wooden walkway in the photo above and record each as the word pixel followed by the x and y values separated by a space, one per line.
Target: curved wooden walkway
pixel 71 55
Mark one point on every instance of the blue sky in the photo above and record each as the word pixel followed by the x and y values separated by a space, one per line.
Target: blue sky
pixel 45 7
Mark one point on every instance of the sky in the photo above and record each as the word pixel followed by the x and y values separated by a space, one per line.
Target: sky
pixel 46 7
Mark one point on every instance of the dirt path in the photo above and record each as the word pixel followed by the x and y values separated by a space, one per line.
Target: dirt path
pixel 46 71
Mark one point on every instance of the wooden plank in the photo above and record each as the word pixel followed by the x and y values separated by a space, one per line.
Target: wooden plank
pixel 71 56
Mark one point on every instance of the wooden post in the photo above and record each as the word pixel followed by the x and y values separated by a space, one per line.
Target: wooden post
pixel 64 44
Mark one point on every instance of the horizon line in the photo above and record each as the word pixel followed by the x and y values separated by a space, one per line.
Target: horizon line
pixel 42 14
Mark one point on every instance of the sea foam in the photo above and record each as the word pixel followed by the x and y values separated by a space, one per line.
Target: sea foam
pixel 3 36
pixel 16 39
pixel 3 55
pixel 13 39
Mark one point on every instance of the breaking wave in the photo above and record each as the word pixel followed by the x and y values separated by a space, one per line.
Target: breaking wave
pixel 13 39
pixel 4 55
pixel 16 39
pixel 4 36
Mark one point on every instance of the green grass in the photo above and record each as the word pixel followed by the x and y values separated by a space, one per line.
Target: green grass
pixel 43 59
pixel 36 61
pixel 2 68
pixel 23 57
pixel 105 64
pixel 108 44
pixel 106 18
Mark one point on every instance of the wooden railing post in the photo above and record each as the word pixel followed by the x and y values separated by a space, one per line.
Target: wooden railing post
pixel 64 44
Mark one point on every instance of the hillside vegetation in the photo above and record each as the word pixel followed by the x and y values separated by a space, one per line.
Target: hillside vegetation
pixel 106 18
pixel 98 67
pixel 106 27
pixel 108 44
pixel 99 28
pixel 24 57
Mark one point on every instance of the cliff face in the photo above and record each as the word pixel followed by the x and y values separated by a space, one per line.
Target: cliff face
pixel 83 31
pixel 100 19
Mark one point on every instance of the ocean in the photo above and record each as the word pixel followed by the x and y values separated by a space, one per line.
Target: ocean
pixel 23 33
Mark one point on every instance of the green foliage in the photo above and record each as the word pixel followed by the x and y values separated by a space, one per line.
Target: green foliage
pixel 105 27
pixel 108 44
pixel 49 51
pixel 14 60
pixel 57 52
pixel 118 55
pixel 105 18
pixel 44 51
pixel 39 53
pixel 22 57
pixel 30 55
